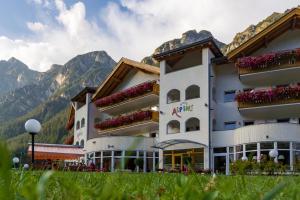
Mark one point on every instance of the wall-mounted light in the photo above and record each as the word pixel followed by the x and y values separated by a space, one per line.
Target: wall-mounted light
pixel 110 146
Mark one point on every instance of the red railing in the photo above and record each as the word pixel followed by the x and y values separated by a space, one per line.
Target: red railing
pixel 267 97
pixel 125 120
pixel 126 94
pixel 268 60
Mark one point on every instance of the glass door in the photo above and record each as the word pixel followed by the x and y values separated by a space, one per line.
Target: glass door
pixel 221 164
pixel 177 165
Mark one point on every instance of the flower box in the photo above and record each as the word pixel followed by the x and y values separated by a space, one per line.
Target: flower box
pixel 268 61
pixel 279 95
pixel 125 120
pixel 126 94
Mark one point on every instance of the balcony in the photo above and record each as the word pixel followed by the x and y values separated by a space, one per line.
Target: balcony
pixel 270 104
pixel 131 124
pixel 134 98
pixel 270 69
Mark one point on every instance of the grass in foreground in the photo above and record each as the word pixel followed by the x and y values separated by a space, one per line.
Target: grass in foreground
pixel 81 185
pixel 33 185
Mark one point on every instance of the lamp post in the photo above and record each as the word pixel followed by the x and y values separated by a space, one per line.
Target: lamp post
pixel 15 161
pixel 32 126
pixel 273 154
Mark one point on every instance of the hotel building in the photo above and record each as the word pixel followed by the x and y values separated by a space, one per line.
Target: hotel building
pixel 199 105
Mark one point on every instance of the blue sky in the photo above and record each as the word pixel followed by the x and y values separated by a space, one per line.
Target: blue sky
pixel 45 32
pixel 15 13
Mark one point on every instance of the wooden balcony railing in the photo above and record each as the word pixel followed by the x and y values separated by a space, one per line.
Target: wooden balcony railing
pixel 129 94
pixel 128 120
pixel 275 96
pixel 269 61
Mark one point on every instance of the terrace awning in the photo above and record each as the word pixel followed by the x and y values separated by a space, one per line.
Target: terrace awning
pixel 55 152
pixel 168 143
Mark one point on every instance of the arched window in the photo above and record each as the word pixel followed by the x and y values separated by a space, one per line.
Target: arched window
pixel 77 125
pixel 77 143
pixel 173 127
pixel 192 124
pixel 82 122
pixel 192 92
pixel 82 143
pixel 173 96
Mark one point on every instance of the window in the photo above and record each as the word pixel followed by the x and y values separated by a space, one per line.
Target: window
pixel 192 92
pixel 214 125
pixel 77 143
pixel 214 94
pixel 248 123
pixel 173 96
pixel 286 120
pixel 77 125
pixel 220 150
pixel 173 127
pixel 192 124
pixel 82 122
pixel 229 125
pixel 229 96
pixel 82 143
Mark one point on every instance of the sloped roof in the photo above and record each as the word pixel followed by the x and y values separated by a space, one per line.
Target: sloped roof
pixel 288 21
pixel 80 97
pixel 119 73
pixel 44 151
pixel 208 42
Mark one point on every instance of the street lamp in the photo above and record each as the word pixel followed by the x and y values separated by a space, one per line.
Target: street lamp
pixel 32 126
pixel 273 154
pixel 15 161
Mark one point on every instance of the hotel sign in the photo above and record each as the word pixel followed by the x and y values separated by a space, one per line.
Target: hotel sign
pixel 183 107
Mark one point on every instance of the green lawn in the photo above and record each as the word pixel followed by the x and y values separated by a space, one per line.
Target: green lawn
pixel 18 184
pixel 84 185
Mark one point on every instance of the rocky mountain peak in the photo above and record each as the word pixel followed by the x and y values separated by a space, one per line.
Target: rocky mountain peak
pixel 251 31
pixel 188 37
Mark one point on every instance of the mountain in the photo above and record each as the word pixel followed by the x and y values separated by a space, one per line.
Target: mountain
pixel 48 98
pixel 15 74
pixel 186 38
pixel 251 31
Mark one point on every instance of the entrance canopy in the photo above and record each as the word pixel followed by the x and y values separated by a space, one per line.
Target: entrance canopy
pixel 55 151
pixel 168 143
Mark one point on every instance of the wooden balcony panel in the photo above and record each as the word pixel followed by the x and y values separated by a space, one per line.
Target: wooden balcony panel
pixel 283 65
pixel 145 100
pixel 136 128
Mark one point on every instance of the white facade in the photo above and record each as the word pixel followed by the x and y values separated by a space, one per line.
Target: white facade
pixel 199 118
pixel 119 149
pixel 232 131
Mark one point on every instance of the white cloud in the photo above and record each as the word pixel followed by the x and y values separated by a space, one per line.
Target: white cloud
pixel 36 26
pixel 133 28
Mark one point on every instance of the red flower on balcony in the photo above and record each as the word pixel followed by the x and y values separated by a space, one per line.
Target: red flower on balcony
pixel 268 59
pixel 125 94
pixel 124 120
pixel 269 96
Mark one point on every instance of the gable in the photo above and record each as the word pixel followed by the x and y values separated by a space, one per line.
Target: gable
pixel 289 21
pixel 287 41
pixel 134 77
pixel 116 77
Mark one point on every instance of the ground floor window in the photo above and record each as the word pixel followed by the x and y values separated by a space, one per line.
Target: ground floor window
pixel 124 160
pixel 177 160
pixel 288 154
